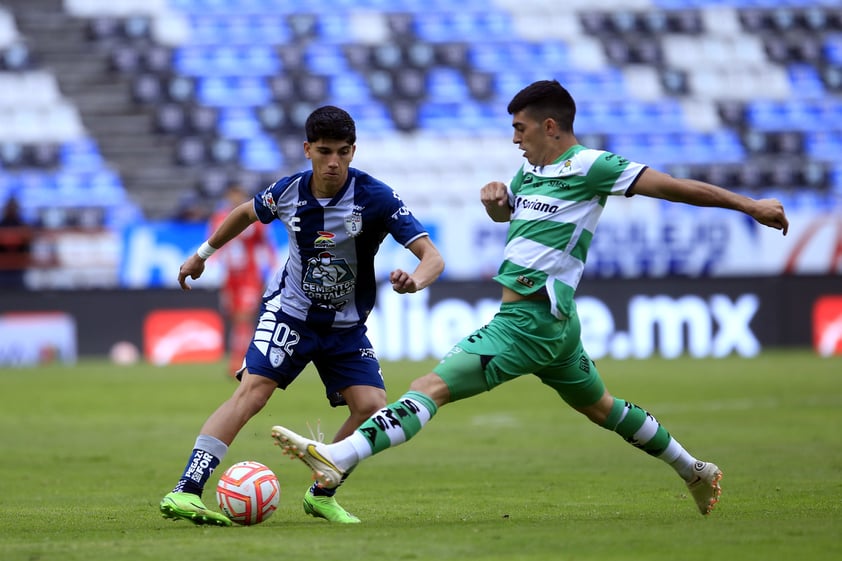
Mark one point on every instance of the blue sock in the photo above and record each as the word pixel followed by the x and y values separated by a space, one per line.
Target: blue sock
pixel 318 491
pixel 207 454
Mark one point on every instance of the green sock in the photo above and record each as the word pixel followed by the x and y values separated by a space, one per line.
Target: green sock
pixel 394 424
pixel 637 427
pixel 642 430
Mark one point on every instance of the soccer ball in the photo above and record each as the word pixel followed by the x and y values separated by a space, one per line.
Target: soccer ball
pixel 248 493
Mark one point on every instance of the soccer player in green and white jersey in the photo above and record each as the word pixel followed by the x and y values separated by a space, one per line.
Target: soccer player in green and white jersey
pixel 552 205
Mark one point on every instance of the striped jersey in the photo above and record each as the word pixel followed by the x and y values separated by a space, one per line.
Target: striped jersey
pixel 555 210
pixel 328 279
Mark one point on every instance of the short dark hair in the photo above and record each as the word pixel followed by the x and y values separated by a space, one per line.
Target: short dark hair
pixel 546 99
pixel 330 123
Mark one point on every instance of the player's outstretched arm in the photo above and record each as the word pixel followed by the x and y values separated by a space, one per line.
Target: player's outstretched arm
pixel 652 183
pixel 237 220
pixel 430 266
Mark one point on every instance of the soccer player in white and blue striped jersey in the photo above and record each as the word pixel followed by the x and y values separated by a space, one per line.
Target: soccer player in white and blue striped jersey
pixel 552 205
pixel 315 307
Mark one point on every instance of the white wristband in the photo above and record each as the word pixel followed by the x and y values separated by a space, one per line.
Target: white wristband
pixel 205 250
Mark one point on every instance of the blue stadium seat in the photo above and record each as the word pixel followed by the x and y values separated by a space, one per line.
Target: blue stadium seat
pixel 333 27
pixel 238 122
pixel 489 56
pixel 655 150
pixel 602 85
pixel 823 145
pixel 508 83
pixel 8 187
pixel 106 187
pixel 446 84
pixel 806 82
pixel 349 89
pixel 470 25
pixel 71 189
pixel 251 60
pixel 328 60
pixel 261 153
pixel 438 115
pixel 260 60
pixel 233 92
pixel 462 115
pixel 238 29
pixel 80 155
pixel 836 180
pixel 371 116
pixel 833 49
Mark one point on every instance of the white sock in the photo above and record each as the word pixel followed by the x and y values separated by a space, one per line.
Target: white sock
pixel 680 460
pixel 349 451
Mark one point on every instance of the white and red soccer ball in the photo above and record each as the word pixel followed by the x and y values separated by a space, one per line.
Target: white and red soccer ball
pixel 248 493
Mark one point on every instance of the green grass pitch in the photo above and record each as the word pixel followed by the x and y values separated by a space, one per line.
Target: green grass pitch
pixel 88 451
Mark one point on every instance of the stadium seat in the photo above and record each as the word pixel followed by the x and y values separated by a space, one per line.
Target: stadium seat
pixel 146 88
pixel 12 155
pixel 170 118
pixel 124 59
pixel 350 88
pixel 202 120
pixel 833 49
pixel 81 155
pixel 381 83
pixel 823 145
pixel 688 82
pixel 261 153
pixel 238 123
pixel 190 151
pixel 327 60
pixel 223 151
pixel 272 117
pixel 805 81
pixel 446 84
pixel 240 91
pixel 44 155
pixel 16 57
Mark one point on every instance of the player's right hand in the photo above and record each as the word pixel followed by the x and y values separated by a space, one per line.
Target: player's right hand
pixel 494 194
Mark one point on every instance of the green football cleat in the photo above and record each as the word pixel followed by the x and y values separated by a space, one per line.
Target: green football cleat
pixel 327 508
pixel 187 506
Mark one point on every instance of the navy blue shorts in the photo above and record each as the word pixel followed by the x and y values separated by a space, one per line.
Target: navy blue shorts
pixel 282 346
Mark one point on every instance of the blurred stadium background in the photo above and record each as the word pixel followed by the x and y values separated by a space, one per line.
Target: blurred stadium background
pixel 122 121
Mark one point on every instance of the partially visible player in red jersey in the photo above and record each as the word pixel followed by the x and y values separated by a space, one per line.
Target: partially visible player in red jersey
pixel 243 260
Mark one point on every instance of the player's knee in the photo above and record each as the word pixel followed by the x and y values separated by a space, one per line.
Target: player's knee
pixel 364 401
pixel 369 408
pixel 599 411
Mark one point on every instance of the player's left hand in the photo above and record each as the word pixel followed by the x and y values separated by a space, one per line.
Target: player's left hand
pixel 402 282
pixel 770 212
pixel 193 268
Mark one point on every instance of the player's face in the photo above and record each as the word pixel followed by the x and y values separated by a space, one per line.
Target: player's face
pixel 531 137
pixel 330 160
